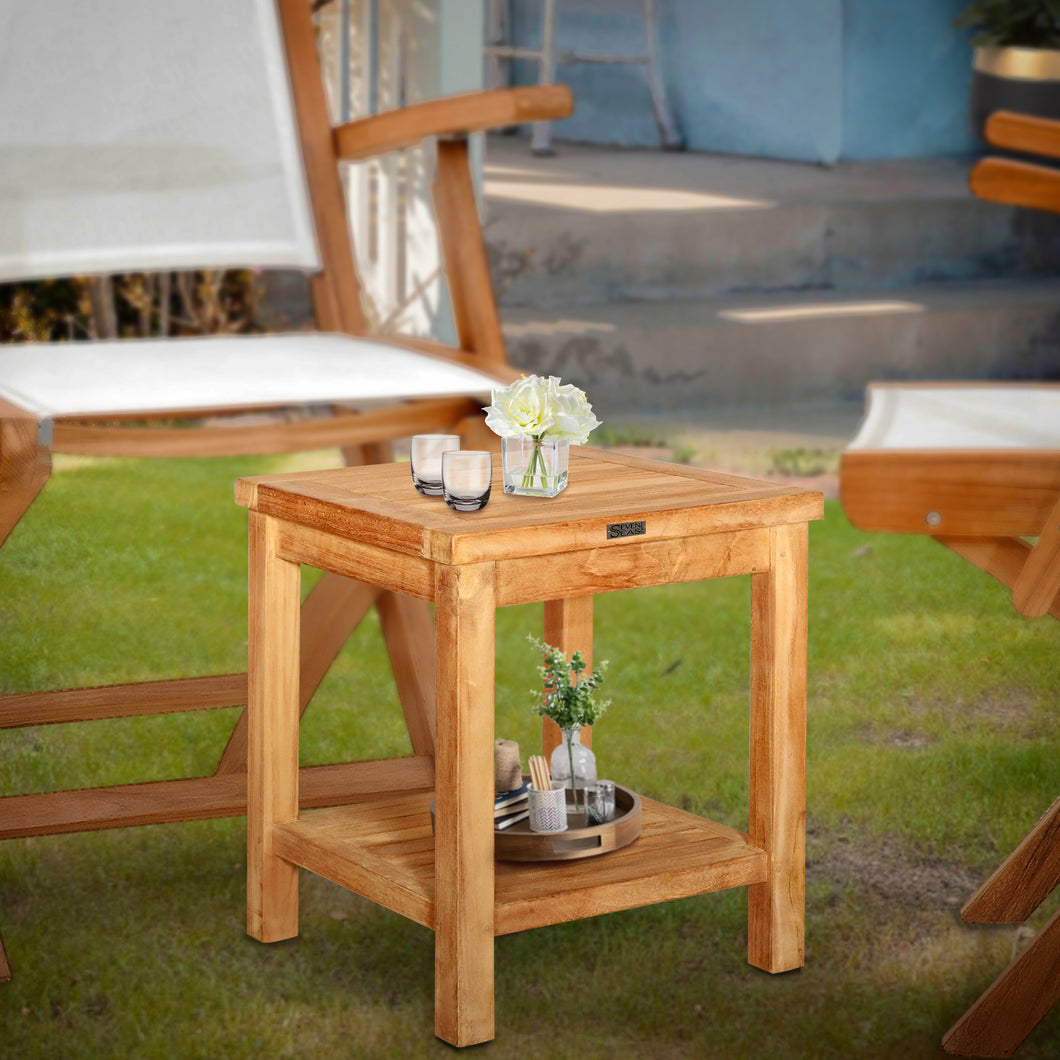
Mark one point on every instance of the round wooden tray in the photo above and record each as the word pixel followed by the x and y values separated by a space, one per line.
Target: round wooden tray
pixel 518 843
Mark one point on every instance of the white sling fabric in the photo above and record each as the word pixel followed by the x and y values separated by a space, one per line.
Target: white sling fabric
pixel 1005 416
pixel 175 375
pixel 147 135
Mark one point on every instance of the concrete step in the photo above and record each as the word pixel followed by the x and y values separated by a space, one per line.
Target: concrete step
pixel 593 225
pixel 683 356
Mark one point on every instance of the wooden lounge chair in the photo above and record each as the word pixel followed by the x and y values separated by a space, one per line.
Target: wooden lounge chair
pixel 977 467
pixel 162 136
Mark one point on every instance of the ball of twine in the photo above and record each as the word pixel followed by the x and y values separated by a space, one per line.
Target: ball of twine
pixel 507 770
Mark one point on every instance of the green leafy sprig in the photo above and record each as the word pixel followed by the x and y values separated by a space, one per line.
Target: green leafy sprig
pixel 569 687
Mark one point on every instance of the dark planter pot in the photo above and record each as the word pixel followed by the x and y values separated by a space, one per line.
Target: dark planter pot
pixel 1026 80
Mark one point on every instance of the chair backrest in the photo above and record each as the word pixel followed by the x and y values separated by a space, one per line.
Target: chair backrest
pixel 148 135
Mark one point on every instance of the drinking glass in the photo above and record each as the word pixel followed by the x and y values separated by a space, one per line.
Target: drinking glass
pixel 425 457
pixel 600 802
pixel 467 475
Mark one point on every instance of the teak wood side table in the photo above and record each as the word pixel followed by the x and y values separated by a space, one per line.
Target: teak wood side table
pixel 621 523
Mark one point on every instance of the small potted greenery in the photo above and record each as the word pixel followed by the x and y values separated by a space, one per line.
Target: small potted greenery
pixel 1017 57
pixel 569 700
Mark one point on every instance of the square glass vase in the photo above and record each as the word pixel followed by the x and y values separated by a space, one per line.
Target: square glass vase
pixel 534 468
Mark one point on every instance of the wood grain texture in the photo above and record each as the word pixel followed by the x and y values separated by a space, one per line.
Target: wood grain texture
pixel 567 625
pixel 199 798
pixel 272 732
pixel 332 611
pixel 776 908
pixel 376 852
pixel 1023 880
pixel 122 701
pixel 318 432
pixel 973 493
pixel 1023 132
pixel 610 569
pixel 504 373
pixel 368 522
pixel 1000 557
pixel 389 570
pixel 25 465
pixel 1013 1005
pixel 464 899
pixel 1038 583
pixel 467 270
pixel 384 849
pixel 676 856
pixel 408 630
pixel 457 115
pixel 379 506
pixel 336 290
pixel 1016 183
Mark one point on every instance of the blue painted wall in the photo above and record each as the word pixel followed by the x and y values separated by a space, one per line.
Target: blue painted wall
pixel 907 74
pixel 810 80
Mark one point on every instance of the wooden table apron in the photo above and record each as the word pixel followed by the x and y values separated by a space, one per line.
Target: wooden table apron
pixel 467 581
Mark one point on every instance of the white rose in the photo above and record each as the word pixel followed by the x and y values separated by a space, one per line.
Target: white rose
pixel 541 408
pixel 572 415
pixel 525 407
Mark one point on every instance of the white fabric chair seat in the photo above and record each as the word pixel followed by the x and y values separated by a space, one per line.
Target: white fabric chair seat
pixel 1005 416
pixel 162 376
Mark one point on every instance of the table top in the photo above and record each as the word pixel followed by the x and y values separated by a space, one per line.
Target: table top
pixel 610 499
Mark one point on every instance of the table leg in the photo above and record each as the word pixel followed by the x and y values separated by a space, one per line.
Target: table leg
pixel 463 843
pixel 776 908
pixel 568 625
pixel 5 968
pixel 272 732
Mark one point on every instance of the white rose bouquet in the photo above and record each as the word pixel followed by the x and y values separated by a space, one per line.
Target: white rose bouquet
pixel 542 410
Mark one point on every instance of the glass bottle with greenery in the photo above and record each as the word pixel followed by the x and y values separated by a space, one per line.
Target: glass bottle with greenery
pixel 568 698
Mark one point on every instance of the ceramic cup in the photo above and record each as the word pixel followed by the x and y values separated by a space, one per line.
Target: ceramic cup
pixel 548 810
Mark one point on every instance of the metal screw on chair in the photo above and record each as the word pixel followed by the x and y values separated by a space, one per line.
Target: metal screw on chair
pixel 933 519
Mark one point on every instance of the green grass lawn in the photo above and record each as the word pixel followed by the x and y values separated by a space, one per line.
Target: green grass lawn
pixel 932 748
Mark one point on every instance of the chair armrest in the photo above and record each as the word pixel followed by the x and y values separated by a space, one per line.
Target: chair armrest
pixel 449 116
pixel 1016 183
pixel 1021 132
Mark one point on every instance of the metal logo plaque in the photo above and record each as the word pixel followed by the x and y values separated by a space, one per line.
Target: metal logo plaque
pixel 626 529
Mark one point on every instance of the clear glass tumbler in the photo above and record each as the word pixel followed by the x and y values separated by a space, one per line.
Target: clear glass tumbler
pixel 467 475
pixel 600 802
pixel 425 457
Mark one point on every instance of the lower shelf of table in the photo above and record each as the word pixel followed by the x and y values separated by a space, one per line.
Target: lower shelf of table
pixel 384 850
